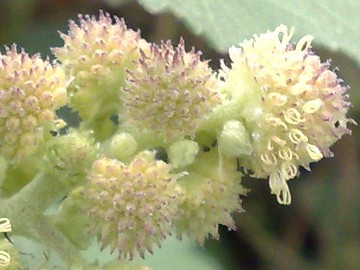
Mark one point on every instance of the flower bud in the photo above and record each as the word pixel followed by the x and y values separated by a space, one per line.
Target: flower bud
pixel 234 140
pixel 72 154
pixel 183 153
pixel 122 146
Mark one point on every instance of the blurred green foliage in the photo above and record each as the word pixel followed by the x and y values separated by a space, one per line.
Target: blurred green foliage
pixel 321 229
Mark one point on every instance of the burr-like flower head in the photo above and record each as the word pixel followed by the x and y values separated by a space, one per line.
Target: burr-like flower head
pixel 211 195
pixel 293 105
pixel 132 207
pixel 30 91
pixel 169 91
pixel 96 54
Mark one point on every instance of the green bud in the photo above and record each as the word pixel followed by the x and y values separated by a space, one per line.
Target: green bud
pixel 72 153
pixel 234 140
pixel 183 153
pixel 122 146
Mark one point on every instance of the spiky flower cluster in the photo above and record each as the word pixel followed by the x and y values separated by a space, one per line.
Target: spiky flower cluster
pixel 211 195
pixel 96 54
pixel 277 108
pixel 169 91
pixel 293 106
pixel 132 207
pixel 30 91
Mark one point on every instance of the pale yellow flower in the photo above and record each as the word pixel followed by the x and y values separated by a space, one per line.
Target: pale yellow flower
pixel 294 106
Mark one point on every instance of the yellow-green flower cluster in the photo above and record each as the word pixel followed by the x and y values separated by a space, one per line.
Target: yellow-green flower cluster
pixel 293 105
pixel 95 55
pixel 30 91
pixel 169 91
pixel 131 206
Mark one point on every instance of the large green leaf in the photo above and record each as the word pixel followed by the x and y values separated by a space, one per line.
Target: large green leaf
pixel 334 24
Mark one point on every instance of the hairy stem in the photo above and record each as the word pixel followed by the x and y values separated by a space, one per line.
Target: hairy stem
pixel 26 208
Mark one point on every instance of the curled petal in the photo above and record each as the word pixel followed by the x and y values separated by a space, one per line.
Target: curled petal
pixel 285 153
pixel 5 225
pixel 4 259
pixel 280 188
pixel 297 136
pixel 293 116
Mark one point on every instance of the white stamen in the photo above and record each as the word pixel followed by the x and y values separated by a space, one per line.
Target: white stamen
pixel 275 121
pixel 269 160
pixel 288 170
pixel 4 259
pixel 280 188
pixel 312 105
pixel 293 116
pixel 296 136
pixel 278 141
pixel 277 99
pixel 285 153
pixel 314 152
pixel 5 225
pixel 304 43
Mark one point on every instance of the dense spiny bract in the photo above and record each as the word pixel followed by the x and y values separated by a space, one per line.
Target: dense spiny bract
pixel 292 104
pixel 169 91
pixel 31 89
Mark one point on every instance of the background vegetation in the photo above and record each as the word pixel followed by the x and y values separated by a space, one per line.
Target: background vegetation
pixel 321 229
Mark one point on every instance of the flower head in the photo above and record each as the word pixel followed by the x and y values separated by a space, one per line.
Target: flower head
pixel 169 91
pixel 293 105
pixel 30 91
pixel 96 54
pixel 211 195
pixel 132 207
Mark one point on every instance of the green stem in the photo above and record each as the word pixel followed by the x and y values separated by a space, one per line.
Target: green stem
pixel 31 201
pixel 26 208
pixel 51 237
